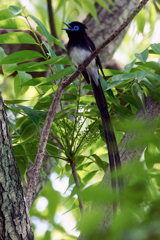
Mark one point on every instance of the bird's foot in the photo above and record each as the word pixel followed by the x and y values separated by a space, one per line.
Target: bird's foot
pixel 80 66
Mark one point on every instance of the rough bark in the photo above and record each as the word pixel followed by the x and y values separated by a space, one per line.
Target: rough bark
pixel 14 217
pixel 49 164
pixel 108 22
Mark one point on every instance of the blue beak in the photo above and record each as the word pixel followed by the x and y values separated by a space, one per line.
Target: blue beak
pixel 69 27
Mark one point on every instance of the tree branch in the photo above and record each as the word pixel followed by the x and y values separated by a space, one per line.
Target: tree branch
pixel 51 18
pixel 50 116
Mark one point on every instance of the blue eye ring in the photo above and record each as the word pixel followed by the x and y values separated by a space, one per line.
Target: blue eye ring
pixel 76 28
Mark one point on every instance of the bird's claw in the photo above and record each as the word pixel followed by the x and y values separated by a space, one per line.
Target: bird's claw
pixel 79 68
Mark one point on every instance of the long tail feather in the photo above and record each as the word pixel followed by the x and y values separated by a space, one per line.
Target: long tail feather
pixel 114 159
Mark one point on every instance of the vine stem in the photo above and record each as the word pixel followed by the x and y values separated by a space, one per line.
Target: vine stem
pixel 52 110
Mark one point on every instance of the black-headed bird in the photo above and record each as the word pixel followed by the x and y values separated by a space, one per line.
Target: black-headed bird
pixel 79 48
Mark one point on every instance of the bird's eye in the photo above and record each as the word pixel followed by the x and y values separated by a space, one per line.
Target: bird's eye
pixel 76 28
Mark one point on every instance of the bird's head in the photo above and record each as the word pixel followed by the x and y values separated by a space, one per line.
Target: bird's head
pixel 75 29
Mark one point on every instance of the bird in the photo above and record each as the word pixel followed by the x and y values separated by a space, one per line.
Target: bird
pixel 79 48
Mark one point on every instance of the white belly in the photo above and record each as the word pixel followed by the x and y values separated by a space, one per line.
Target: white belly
pixel 78 56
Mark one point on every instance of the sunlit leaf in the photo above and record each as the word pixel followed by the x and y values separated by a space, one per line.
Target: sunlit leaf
pixel 16 38
pixel 21 56
pixel 16 23
pixel 142 56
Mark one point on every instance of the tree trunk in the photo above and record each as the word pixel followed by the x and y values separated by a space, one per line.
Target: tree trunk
pixel 14 216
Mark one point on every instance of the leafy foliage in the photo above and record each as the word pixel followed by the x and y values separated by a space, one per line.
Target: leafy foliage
pixel 77 129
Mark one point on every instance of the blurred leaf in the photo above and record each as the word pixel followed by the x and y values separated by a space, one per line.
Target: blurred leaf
pixel 21 159
pixel 129 66
pixel 104 5
pixel 58 42
pixel 18 89
pixel 64 72
pixel 99 162
pixel 123 77
pixel 15 11
pixel 21 56
pixel 4 14
pixel 11 118
pixel 138 96
pixel 156 47
pixel 31 114
pixel 16 38
pixel 142 74
pixel 89 5
pixel 16 23
pixel 29 67
pixel 63 113
pixel 88 177
pixel 130 99
pixel 142 56
pixel 114 83
pixel 28 132
pixel 151 89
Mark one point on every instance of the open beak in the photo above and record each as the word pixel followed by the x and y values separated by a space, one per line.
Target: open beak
pixel 69 27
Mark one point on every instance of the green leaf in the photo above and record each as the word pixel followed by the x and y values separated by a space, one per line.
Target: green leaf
pixel 156 47
pixel 87 86
pixel 21 159
pixel 87 98
pixel 123 77
pixel 16 38
pixel 2 53
pixel 28 132
pixel 29 67
pixel 69 97
pixel 104 5
pixel 4 14
pixel 99 162
pixel 21 56
pixel 11 118
pixel 33 81
pixel 130 99
pixel 122 111
pixel 70 106
pixel 14 10
pixel 16 23
pixel 138 96
pixel 7 69
pixel 63 113
pixel 18 89
pixel 89 6
pixel 15 101
pixel 31 114
pixel 142 74
pixel 63 59
pixel 129 66
pixel 52 148
pixel 58 42
pixel 42 29
pixel 154 91
pixel 64 72
pixel 114 83
pixel 88 177
pixel 142 56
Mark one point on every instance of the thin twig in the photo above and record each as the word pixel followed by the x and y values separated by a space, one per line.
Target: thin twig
pixel 51 18
pixel 52 110
pixel 75 176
